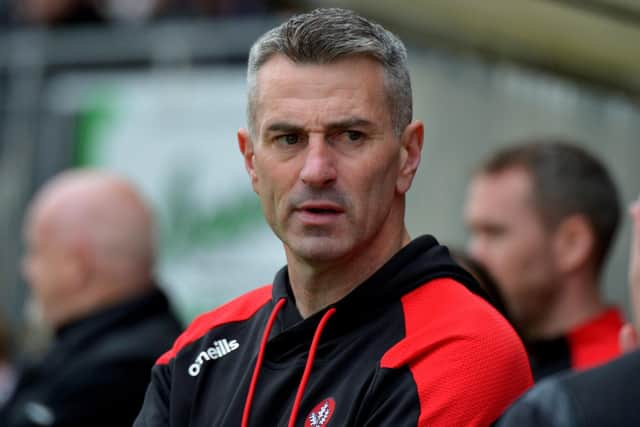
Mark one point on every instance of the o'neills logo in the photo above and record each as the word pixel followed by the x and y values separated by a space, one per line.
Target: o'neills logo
pixel 219 349
pixel 321 414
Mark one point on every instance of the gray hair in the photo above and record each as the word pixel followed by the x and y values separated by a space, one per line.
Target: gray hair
pixel 326 35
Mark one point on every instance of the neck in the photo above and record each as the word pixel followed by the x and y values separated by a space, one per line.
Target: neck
pixel 316 286
pixel 579 302
pixel 99 294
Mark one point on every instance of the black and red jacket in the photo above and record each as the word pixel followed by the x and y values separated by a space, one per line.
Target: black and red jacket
pixel 413 345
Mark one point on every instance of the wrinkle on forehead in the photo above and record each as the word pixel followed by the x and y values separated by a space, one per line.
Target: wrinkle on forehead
pixel 316 95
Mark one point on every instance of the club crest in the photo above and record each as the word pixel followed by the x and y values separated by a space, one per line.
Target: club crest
pixel 321 414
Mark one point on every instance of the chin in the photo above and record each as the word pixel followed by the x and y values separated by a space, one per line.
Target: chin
pixel 319 249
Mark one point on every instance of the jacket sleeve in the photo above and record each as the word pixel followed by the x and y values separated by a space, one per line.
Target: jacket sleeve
pixel 466 363
pixel 155 409
pixel 603 396
pixel 547 405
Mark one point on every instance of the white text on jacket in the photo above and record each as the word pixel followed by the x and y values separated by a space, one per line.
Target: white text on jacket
pixel 219 349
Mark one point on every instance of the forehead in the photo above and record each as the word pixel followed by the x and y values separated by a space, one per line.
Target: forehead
pixel 36 224
pixel 318 93
pixel 504 194
pixel 47 213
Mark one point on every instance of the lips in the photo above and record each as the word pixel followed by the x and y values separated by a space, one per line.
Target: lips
pixel 318 213
pixel 320 208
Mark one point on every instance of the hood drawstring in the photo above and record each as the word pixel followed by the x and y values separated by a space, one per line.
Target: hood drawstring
pixel 307 368
pixel 256 369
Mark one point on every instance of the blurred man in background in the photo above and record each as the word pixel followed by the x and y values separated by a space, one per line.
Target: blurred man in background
pixel 542 216
pixel 89 262
pixel 604 396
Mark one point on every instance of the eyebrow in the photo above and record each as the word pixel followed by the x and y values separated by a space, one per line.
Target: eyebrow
pixel 340 124
pixel 283 127
pixel 352 122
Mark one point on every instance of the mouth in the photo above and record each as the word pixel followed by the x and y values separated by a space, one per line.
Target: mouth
pixel 320 208
pixel 318 213
pixel 321 211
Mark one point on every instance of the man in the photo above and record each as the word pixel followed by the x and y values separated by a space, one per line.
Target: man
pixel 363 326
pixel 89 261
pixel 542 216
pixel 604 396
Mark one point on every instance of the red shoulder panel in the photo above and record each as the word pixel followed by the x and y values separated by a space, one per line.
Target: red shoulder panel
pixel 236 310
pixel 466 360
pixel 596 342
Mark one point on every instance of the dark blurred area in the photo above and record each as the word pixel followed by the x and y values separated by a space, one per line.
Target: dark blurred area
pixel 51 13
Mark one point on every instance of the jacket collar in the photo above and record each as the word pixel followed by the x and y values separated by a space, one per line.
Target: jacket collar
pixel 422 260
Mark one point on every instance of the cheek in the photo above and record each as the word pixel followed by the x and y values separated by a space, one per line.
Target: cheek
pixel 273 189
pixel 377 185
pixel 519 258
pixel 506 259
pixel 43 279
pixel 528 263
pixel 34 274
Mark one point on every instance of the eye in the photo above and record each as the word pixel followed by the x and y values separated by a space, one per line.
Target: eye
pixel 354 135
pixel 348 137
pixel 288 139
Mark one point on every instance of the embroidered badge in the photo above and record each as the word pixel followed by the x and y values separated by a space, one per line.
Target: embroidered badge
pixel 321 414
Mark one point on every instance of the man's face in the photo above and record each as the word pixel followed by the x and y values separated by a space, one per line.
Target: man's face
pixel 509 239
pixel 325 161
pixel 47 268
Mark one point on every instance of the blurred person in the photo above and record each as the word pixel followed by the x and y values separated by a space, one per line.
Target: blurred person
pixel 542 216
pixel 72 12
pixel 604 396
pixel 57 12
pixel 89 261
pixel 364 326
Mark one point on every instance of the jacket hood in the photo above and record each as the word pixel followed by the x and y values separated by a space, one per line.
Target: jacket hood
pixel 419 262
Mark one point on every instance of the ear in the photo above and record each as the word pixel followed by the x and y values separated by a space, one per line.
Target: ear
pixel 81 263
pixel 410 154
pixel 573 243
pixel 245 143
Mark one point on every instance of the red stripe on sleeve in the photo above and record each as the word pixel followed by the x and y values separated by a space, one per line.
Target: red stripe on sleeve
pixel 466 360
pixel 234 311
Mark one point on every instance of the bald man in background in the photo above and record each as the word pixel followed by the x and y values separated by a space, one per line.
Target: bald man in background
pixel 89 264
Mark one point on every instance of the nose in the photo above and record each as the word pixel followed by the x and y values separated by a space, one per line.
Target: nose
pixel 319 169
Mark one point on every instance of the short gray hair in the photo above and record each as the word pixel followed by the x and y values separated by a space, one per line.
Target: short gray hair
pixel 326 35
